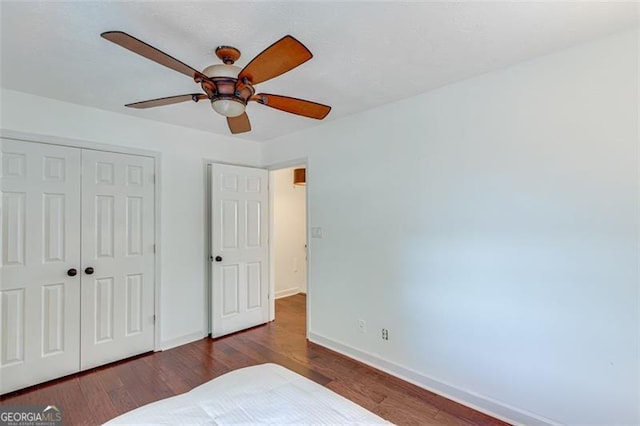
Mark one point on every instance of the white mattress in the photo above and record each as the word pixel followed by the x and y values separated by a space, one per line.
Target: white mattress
pixel 262 394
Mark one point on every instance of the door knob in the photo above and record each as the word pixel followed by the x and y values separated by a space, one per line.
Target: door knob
pixel 218 258
pixel 88 270
pixel 72 272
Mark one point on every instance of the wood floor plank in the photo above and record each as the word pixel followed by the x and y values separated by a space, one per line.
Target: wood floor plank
pixel 95 396
pixel 110 380
pixel 268 355
pixel 170 375
pixel 352 395
pixel 122 400
pixel 445 419
pixel 102 407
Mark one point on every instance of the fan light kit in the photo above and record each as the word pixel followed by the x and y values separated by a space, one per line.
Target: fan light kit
pixel 228 87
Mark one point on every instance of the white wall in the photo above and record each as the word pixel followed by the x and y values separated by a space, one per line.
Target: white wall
pixel 492 227
pixel 289 233
pixel 183 269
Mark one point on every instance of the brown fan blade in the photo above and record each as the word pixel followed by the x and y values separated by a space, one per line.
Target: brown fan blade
pixel 167 101
pixel 239 124
pixel 143 49
pixel 282 56
pixel 293 105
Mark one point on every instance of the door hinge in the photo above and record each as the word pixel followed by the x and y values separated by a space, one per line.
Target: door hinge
pixel 153 179
pixel 154 318
pixel 154 248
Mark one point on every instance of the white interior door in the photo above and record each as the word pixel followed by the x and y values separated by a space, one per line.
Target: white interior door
pixel 39 299
pixel 118 242
pixel 239 227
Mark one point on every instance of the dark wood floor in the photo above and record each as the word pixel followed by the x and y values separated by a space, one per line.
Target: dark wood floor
pixel 98 395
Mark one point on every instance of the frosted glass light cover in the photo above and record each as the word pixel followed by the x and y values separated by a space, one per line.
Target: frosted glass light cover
pixel 227 107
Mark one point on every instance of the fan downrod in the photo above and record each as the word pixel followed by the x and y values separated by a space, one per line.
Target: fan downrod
pixel 227 54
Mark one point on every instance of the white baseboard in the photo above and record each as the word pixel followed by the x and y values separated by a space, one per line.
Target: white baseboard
pixel 182 340
pixel 287 292
pixel 473 400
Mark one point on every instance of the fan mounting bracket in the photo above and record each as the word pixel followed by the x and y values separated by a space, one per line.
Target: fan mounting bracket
pixel 227 54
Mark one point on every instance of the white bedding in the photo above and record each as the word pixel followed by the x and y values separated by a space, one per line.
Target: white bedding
pixel 262 394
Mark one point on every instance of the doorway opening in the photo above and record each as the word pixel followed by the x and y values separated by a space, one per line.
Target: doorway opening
pixel 285 225
pixel 289 247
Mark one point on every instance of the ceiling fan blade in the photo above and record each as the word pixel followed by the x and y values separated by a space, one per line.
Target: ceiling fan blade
pixel 143 49
pixel 239 124
pixel 167 101
pixel 282 56
pixel 293 105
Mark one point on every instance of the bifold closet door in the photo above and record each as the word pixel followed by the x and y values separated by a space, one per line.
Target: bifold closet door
pixel 40 272
pixel 118 245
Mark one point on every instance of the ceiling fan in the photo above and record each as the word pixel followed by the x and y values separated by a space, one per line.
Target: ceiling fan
pixel 228 87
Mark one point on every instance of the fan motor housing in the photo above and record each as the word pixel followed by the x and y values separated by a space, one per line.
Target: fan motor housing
pixel 225 78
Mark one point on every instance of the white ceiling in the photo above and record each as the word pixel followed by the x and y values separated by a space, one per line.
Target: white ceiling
pixel 365 53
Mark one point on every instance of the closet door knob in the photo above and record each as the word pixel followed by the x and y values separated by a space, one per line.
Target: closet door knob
pixel 218 258
pixel 88 270
pixel 72 272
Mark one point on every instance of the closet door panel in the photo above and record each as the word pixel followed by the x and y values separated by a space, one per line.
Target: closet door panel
pixel 40 233
pixel 118 243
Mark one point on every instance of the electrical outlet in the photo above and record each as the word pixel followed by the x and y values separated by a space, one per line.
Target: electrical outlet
pixel 385 334
pixel 362 325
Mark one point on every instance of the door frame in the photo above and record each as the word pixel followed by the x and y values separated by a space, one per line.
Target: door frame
pixel 272 277
pixel 119 149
